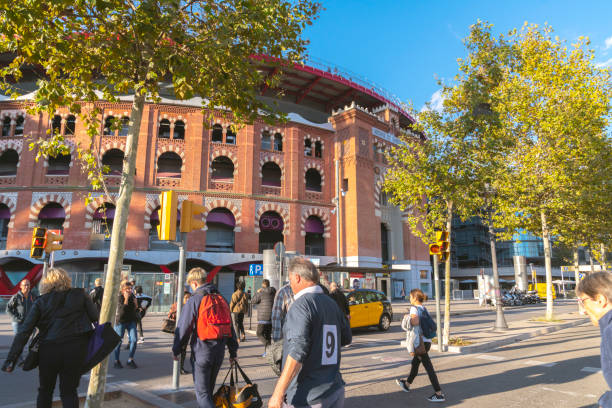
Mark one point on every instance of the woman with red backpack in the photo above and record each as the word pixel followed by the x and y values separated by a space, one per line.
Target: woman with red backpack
pixel 418 314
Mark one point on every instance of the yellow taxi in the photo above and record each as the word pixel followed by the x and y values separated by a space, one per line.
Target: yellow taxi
pixel 369 308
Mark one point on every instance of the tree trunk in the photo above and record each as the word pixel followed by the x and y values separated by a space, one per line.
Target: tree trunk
pixel 604 266
pixel 547 263
pixel 447 277
pixel 97 382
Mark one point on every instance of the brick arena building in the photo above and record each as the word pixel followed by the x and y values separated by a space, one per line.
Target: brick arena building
pixel 260 184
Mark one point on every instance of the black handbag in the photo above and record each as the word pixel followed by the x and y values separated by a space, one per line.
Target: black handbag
pixel 31 360
pixel 102 341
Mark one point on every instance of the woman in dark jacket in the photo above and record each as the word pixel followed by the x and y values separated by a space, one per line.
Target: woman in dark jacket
pixel 64 316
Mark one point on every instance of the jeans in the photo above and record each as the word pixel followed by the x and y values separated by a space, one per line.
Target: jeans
pixel 120 328
pixel 414 370
pixel 264 333
pixel 335 400
pixel 64 359
pixel 238 319
pixel 205 376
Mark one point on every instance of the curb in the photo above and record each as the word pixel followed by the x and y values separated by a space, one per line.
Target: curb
pixel 478 348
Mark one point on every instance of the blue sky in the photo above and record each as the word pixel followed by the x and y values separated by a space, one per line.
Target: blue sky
pixel 403 45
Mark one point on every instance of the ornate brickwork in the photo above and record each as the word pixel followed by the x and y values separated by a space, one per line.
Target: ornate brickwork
pixel 311 164
pixel 281 208
pixel 39 200
pixel 235 206
pixel 322 213
pixel 265 157
pixel 97 200
pixel 14 144
pixel 229 153
pixel 10 199
pixel 175 146
pixel 111 142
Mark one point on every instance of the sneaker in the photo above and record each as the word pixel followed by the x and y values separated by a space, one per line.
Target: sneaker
pixel 118 364
pixel 436 398
pixel 183 371
pixel 141 340
pixel 132 364
pixel 403 385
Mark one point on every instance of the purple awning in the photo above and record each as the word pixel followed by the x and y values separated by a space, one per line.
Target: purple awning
pixel 221 217
pixel 5 213
pixel 51 213
pixel 100 214
pixel 314 225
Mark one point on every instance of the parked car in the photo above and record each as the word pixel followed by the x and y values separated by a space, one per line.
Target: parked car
pixel 369 308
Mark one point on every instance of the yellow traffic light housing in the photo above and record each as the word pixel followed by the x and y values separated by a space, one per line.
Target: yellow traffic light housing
pixel 37 250
pixel 434 249
pixel 191 216
pixel 53 242
pixel 166 230
pixel 441 247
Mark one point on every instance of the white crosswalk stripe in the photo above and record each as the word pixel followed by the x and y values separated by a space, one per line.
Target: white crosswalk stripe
pixel 489 357
pixel 538 363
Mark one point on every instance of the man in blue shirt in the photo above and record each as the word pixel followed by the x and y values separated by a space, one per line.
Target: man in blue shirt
pixel 206 355
pixel 313 333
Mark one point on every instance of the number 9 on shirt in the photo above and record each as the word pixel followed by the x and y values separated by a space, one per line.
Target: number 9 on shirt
pixel 329 354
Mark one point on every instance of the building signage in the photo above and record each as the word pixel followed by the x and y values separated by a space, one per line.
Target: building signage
pixel 255 270
pixel 386 136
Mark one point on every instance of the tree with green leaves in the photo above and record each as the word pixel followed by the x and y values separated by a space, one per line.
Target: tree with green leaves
pixel 554 103
pixel 86 51
pixel 449 171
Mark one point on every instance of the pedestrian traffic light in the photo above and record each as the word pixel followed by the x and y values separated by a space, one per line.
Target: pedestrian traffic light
pixel 441 247
pixel 166 230
pixel 434 249
pixel 38 243
pixel 53 242
pixel 191 216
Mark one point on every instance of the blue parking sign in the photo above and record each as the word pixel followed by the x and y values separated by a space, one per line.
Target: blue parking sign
pixel 255 270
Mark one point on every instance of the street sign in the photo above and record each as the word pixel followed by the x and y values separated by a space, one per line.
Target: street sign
pixel 255 270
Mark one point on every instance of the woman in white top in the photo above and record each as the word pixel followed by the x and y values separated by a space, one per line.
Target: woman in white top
pixel 417 297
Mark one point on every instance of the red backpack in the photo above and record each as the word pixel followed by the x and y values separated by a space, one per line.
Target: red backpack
pixel 214 319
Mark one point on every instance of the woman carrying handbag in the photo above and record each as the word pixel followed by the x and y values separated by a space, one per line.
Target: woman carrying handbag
pixel 420 346
pixel 64 317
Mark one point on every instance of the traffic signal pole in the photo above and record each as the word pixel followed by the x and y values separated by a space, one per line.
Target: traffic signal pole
pixel 182 244
pixel 437 291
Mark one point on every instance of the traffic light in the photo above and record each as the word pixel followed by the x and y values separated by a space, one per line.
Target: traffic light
pixel 166 230
pixel 441 247
pixel 38 243
pixel 191 216
pixel 53 242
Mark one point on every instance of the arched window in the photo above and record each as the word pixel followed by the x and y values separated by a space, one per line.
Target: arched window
pixel 103 220
pixel 307 147
pixel 222 169
pixel 8 162
pixel 164 129
pixel 6 126
pixel 271 175
pixel 5 218
pixel 318 149
pixel 220 225
pixel 125 126
pixel 271 228
pixel 59 165
pixel 266 140
pixel 179 130
pixel 19 125
pixel 70 125
pixel 384 243
pixel 52 216
pixel 313 180
pixel 278 142
pixel 169 165
pixel 56 124
pixel 217 133
pixel 230 135
pixel 108 126
pixel 315 243
pixel 113 158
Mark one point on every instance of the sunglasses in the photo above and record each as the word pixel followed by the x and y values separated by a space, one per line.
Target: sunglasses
pixel 581 300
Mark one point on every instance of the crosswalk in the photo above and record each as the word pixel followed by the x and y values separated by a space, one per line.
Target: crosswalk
pixel 533 363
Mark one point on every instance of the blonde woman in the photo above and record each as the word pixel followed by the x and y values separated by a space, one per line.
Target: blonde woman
pixel 64 317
